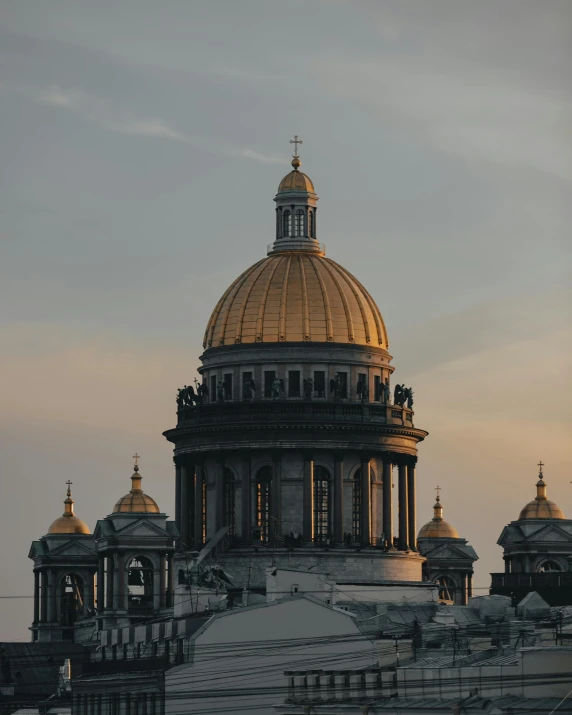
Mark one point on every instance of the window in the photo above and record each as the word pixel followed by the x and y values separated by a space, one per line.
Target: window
pixel 286 224
pixel 247 386
pixel 263 486
pixel 229 510
pixel 294 383
pixel 140 584
pixel 377 388
pixel 344 381
pixel 299 223
pixel 213 389
pixel 549 566
pixel 322 494
pixel 320 383
pixel 446 588
pixel 361 388
pixel 356 506
pixel 71 599
pixel 269 376
pixel 311 223
pixel 227 386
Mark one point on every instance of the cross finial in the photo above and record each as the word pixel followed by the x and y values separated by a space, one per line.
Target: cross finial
pixel 296 141
pixel 136 458
pixel 540 465
pixel 438 492
pixel 69 483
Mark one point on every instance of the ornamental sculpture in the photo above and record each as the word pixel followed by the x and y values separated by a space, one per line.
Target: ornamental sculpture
pixel 308 388
pixel 248 388
pixel 277 388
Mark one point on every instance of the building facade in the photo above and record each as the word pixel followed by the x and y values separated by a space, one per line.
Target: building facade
pixel 292 439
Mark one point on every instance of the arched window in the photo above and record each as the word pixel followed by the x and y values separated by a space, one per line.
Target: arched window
pixel 71 599
pixel 322 504
pixel 140 584
pixel 263 487
pixel 299 223
pixel 311 223
pixel 229 495
pixel 447 588
pixel 286 224
pixel 548 566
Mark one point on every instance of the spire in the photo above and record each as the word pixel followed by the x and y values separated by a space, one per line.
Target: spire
pixel 540 484
pixel 136 477
pixel 438 507
pixel 295 158
pixel 68 501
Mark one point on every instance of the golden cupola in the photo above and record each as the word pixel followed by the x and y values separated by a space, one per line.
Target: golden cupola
pixel 438 528
pixel 541 507
pixel 136 501
pixel 296 294
pixel 68 522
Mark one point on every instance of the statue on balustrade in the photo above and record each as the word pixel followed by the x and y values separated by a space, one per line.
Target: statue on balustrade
pixel 180 398
pixel 386 393
pixel 408 396
pixel 398 396
pixel 202 392
pixel 308 388
pixel 336 386
pixel 362 390
pixel 220 391
pixel 185 397
pixel 248 388
pixel 277 388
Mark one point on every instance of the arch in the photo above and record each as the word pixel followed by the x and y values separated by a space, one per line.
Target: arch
pixel 229 499
pixel 447 587
pixel 299 223
pixel 140 573
pixel 263 498
pixel 71 598
pixel 322 504
pixel 286 224
pixel 549 566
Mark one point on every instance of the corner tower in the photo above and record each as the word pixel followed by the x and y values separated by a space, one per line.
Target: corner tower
pixel 290 441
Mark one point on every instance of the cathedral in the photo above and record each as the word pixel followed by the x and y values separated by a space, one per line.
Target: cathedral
pixel 295 450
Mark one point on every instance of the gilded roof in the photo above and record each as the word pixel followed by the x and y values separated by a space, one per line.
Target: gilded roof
pixel 541 507
pixel 68 522
pixel 296 297
pixel 296 181
pixel 438 528
pixel 136 501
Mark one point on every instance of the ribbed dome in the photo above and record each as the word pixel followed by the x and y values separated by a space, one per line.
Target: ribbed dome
pixel 438 528
pixel 136 501
pixel 541 507
pixel 68 522
pixel 296 297
pixel 296 181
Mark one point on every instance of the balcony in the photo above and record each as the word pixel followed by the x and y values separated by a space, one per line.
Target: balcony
pixel 294 411
pixel 555 587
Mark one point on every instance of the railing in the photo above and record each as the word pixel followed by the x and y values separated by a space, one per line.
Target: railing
pixel 555 587
pixel 284 410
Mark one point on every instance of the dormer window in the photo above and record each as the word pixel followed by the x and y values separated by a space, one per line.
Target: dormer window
pixel 299 223
pixel 286 224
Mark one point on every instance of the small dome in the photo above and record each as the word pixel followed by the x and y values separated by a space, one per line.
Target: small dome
pixel 438 528
pixel 296 181
pixel 541 507
pixel 136 502
pixel 68 522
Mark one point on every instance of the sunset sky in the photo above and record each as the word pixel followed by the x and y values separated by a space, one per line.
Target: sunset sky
pixel 142 145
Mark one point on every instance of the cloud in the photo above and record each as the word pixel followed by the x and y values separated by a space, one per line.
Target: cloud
pixel 115 119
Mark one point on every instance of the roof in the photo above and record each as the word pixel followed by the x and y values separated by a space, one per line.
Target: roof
pixel 296 297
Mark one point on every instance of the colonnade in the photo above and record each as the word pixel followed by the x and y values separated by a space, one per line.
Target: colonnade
pixel 191 493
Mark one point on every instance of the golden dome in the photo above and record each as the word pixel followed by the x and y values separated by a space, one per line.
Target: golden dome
pixel 68 522
pixel 438 528
pixel 296 297
pixel 136 502
pixel 541 507
pixel 296 181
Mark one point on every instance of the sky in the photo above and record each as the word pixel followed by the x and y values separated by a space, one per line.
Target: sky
pixel 142 145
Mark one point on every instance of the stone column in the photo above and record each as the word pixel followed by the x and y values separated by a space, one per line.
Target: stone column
pixel 109 603
pixel 36 596
pixel 276 501
pixel 44 597
pixel 100 584
pixel 52 597
pixel 365 499
pixel 403 521
pixel 199 471
pixel 470 586
pixel 387 503
pixel 178 497
pixel 219 493
pixel 120 581
pixel 412 529
pixel 464 590
pixel 162 585
pixel 183 504
pixel 246 500
pixel 338 498
pixel 170 580
pixel 308 497
pixel 157 588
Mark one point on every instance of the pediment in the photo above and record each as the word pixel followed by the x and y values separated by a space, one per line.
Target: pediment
pixel 452 552
pixel 551 533
pixel 142 528
pixel 74 548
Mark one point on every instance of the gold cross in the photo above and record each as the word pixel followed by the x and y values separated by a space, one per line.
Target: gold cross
pixel 540 465
pixel 136 458
pixel 296 141
pixel 438 490
pixel 69 487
